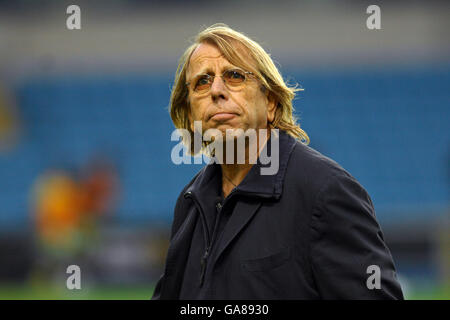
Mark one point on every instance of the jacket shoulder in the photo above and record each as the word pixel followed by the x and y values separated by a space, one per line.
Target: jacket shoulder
pixel 180 210
pixel 311 169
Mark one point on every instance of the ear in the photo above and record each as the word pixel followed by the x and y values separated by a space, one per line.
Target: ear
pixel 271 106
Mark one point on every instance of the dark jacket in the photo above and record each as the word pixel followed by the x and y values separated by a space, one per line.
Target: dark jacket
pixel 307 232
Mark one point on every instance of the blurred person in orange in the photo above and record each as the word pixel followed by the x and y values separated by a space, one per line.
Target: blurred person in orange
pixel 58 205
pixel 67 210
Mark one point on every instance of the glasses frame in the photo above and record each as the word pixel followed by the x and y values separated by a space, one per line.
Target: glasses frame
pixel 211 78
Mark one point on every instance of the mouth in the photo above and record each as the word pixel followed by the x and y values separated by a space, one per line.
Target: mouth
pixel 223 116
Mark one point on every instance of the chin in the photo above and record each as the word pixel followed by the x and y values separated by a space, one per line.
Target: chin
pixel 226 127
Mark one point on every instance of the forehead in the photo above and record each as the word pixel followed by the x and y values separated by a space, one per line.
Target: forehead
pixel 206 56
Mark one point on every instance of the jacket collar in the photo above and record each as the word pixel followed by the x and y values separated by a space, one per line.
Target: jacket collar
pixel 254 183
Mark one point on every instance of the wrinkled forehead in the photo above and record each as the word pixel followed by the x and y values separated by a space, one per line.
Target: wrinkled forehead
pixel 207 57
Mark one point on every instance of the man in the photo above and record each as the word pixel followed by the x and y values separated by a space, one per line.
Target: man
pixel 308 231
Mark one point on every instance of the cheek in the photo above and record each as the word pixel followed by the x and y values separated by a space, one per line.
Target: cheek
pixel 248 103
pixel 199 113
pixel 196 111
pixel 259 110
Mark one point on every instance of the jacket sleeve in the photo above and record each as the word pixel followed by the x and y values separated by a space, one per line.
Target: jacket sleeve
pixel 347 247
pixel 178 218
pixel 174 228
pixel 157 292
pixel 160 283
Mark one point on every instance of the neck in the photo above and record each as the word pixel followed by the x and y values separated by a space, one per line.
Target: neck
pixel 233 174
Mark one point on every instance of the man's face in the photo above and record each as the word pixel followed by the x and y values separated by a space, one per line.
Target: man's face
pixel 220 107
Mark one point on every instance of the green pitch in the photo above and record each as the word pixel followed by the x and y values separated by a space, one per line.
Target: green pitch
pixel 42 292
pixel 96 293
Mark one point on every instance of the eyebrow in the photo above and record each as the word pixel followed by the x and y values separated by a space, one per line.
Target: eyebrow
pixel 208 70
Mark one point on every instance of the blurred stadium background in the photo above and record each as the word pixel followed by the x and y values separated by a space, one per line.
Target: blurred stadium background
pixel 85 170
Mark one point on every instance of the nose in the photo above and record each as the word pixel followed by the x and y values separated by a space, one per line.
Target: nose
pixel 218 89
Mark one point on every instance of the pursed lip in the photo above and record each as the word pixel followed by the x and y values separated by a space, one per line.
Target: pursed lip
pixel 223 115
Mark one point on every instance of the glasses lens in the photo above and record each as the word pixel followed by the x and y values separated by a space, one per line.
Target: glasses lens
pixel 234 77
pixel 202 83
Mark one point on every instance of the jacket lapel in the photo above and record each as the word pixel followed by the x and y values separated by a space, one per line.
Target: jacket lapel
pixel 242 214
pixel 259 187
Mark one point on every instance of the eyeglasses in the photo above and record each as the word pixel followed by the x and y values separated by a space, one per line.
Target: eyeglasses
pixel 234 79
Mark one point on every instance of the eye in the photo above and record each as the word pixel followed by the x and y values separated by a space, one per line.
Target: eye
pixel 202 82
pixel 234 76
